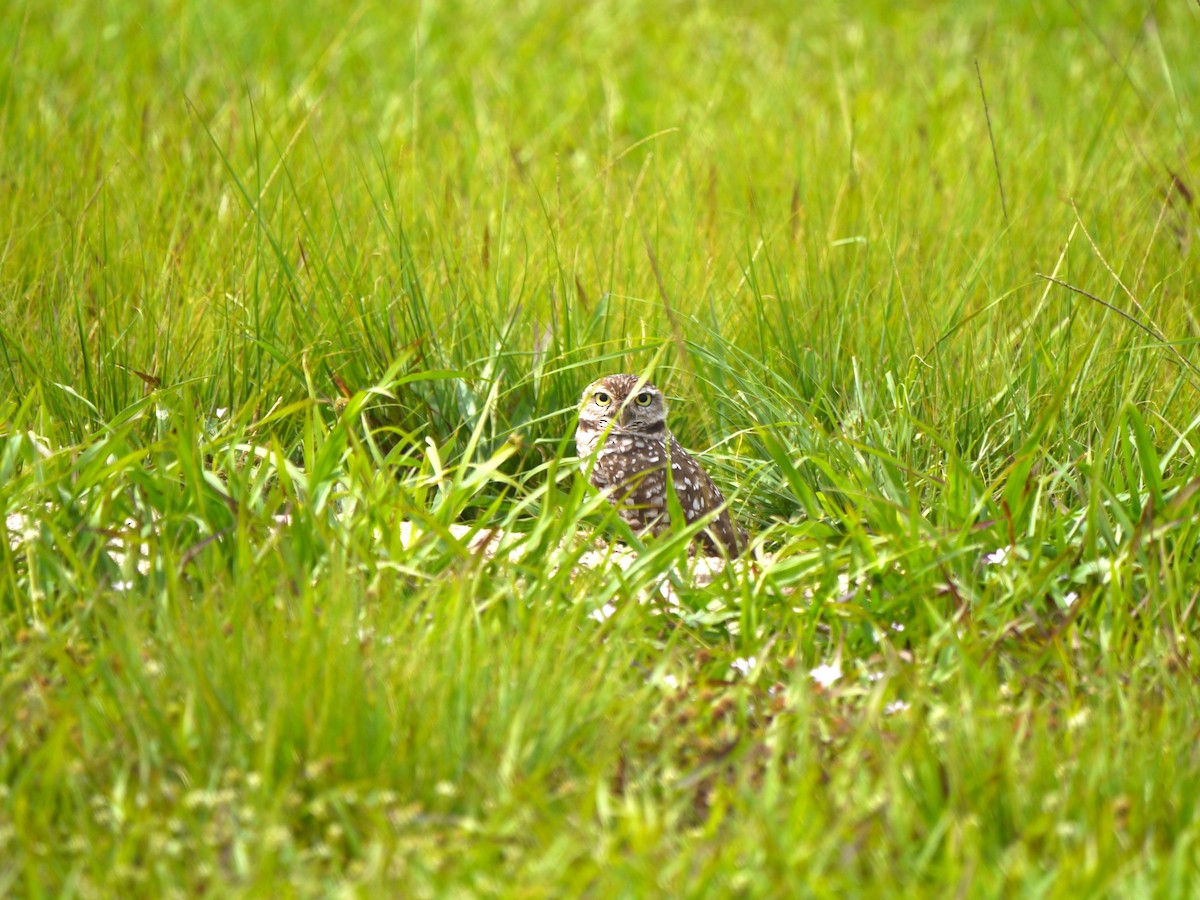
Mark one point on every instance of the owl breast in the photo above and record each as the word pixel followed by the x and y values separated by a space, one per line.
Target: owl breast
pixel 633 470
pixel 635 464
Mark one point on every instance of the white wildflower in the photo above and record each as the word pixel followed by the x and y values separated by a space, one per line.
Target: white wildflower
pixel 826 674
pixel 603 614
pixel 896 706
pixel 222 412
pixel 122 586
pixel 896 626
pixel 670 681
pixel 1070 597
pixel 744 665
pixel 162 413
pixel 998 557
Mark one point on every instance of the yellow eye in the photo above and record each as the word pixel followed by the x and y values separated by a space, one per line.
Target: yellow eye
pixel 601 398
pixel 643 399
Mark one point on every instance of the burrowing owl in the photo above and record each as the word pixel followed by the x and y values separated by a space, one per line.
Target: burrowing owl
pixel 631 465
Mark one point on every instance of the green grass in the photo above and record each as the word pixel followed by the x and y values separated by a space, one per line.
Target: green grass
pixel 274 281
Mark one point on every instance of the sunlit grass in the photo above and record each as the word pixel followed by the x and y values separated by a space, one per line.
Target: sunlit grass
pixel 301 583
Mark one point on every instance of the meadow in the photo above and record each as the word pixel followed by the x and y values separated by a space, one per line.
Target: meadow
pixel 303 592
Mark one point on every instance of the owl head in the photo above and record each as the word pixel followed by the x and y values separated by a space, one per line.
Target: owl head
pixel 627 403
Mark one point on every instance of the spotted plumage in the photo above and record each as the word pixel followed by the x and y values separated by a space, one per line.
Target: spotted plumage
pixel 623 420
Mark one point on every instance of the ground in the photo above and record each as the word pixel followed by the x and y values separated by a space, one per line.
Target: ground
pixel 303 590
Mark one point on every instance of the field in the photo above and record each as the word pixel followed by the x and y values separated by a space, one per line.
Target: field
pixel 303 592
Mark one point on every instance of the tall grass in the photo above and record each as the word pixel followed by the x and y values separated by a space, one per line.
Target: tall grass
pixel 295 309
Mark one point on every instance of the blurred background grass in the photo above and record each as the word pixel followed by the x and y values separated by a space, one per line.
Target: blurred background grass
pixel 224 225
pixel 212 193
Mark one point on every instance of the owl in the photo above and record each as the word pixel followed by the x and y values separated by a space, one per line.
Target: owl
pixel 624 422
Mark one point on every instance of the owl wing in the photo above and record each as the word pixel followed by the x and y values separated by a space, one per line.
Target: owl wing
pixel 698 496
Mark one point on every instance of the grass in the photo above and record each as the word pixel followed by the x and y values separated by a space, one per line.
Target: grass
pixel 288 296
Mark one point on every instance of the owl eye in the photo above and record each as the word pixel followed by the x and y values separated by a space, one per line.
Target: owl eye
pixel 643 399
pixel 601 398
